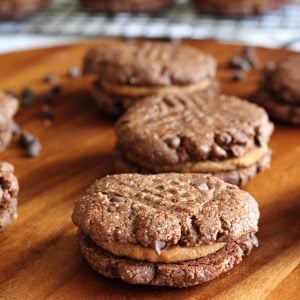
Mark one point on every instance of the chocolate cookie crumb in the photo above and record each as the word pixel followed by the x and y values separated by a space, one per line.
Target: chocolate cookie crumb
pixel 50 78
pixel 27 96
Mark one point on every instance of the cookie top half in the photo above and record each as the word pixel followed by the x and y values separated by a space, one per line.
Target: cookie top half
pixel 173 209
pixel 185 128
pixel 284 80
pixel 150 64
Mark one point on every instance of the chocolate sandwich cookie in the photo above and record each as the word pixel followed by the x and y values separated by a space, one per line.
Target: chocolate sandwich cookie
pixel 8 108
pixel 16 9
pixel 167 229
pixel 128 73
pixel 115 6
pixel 9 189
pixel 238 7
pixel 279 92
pixel 187 133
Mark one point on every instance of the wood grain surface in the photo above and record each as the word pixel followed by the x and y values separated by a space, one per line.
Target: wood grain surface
pixel 38 254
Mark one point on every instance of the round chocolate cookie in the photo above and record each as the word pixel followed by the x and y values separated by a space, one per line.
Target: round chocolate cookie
pixel 129 72
pixel 279 92
pixel 16 9
pixel 115 6
pixel 9 189
pixel 284 80
pixel 187 133
pixel 238 7
pixel 166 229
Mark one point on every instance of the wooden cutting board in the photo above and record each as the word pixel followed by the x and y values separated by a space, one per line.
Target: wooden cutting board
pixel 38 254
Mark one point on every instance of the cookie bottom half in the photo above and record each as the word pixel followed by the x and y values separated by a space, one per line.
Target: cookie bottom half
pixel 238 177
pixel 180 274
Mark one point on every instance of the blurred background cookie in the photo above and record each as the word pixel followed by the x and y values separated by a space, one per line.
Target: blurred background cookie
pixel 114 6
pixel 16 9
pixel 129 72
pixel 279 93
pixel 238 7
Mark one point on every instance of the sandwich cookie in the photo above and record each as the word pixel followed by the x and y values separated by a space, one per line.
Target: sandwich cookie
pixel 8 108
pixel 115 6
pixel 16 9
pixel 224 136
pixel 130 72
pixel 238 7
pixel 279 93
pixel 168 229
pixel 9 189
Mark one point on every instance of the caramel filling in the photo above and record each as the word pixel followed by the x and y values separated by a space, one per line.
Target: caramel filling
pixel 169 255
pixel 135 91
pixel 245 161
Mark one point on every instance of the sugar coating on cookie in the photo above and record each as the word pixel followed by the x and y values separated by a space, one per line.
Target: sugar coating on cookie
pixel 164 221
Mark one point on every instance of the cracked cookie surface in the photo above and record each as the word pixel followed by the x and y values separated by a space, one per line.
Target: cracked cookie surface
pixel 174 209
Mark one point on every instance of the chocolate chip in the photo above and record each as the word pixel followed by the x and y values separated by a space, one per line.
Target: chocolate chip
pixel 15 128
pixel 27 96
pixel 56 90
pixel 201 186
pixel 47 113
pixel 74 72
pixel 158 246
pixel 237 76
pixel 173 142
pixel 240 137
pixel 50 78
pixel 223 138
pixel 26 139
pixel 34 148
pixel 117 199
pixel 217 151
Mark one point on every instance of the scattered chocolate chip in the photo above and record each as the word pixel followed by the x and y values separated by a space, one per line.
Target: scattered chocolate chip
pixel 26 139
pixel 158 246
pixel 74 72
pixel 237 76
pixel 173 142
pixel 15 128
pixel 218 151
pixel 47 113
pixel 50 78
pixel 27 96
pixel 56 90
pixel 34 148
pixel 239 63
